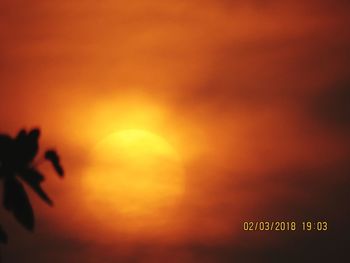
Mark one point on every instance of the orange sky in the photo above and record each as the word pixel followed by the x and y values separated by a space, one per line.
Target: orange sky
pixel 253 95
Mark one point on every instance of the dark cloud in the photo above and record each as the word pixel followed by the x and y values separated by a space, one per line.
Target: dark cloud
pixel 332 106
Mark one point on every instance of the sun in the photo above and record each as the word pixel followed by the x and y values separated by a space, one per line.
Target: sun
pixel 135 177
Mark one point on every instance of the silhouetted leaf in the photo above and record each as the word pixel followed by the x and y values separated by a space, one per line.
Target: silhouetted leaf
pixel 22 134
pixel 16 201
pixel 53 157
pixel 7 193
pixel 3 236
pixel 33 178
pixel 2 170
pixel 6 148
pixel 27 145
pixel 4 141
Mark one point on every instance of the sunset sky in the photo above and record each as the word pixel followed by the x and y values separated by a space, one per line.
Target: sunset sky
pixel 176 122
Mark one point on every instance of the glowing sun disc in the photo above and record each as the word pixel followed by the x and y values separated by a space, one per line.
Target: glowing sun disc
pixel 134 176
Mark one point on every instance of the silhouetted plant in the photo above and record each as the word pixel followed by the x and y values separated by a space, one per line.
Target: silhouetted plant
pixel 17 156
